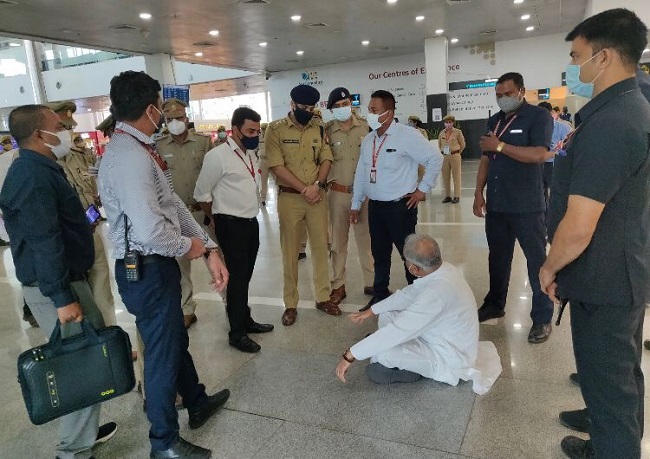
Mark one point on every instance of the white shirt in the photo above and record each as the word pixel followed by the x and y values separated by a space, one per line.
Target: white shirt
pixel 440 311
pixel 396 173
pixel 227 182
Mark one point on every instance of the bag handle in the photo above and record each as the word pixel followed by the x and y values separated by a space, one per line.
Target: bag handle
pixel 56 341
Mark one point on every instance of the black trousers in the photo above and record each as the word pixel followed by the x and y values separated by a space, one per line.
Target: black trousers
pixel 502 229
pixel 607 343
pixel 239 239
pixel 389 223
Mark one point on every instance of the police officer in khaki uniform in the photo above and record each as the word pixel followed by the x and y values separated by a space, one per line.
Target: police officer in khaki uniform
pixel 415 122
pixel 184 150
pixel 75 165
pixel 222 135
pixel 345 134
pixel 6 144
pixel 263 165
pixel 299 156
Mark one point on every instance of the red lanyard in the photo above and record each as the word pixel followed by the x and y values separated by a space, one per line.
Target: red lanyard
pixel 375 153
pixel 251 169
pixel 150 149
pixel 505 128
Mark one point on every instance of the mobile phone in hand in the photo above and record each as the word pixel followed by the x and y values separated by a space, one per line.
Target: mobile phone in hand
pixel 92 214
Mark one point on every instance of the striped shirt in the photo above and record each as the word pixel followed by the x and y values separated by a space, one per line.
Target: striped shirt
pixel 132 183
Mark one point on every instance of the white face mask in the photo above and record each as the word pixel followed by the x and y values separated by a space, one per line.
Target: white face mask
pixel 156 126
pixel 373 120
pixel 342 113
pixel 176 127
pixel 63 148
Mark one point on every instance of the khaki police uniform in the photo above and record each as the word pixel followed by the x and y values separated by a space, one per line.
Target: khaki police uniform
pixel 75 166
pixel 345 146
pixel 263 165
pixel 185 159
pixel 301 151
pixel 452 144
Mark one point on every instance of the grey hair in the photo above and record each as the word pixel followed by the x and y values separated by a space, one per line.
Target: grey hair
pixel 423 251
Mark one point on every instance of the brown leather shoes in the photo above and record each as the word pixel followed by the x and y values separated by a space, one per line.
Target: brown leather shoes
pixel 329 308
pixel 289 316
pixel 189 320
pixel 338 295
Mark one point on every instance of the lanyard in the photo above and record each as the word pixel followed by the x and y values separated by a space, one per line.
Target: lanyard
pixel 251 169
pixel 505 128
pixel 150 149
pixel 448 135
pixel 375 153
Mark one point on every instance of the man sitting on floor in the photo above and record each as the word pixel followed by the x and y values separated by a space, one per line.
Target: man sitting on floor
pixel 428 329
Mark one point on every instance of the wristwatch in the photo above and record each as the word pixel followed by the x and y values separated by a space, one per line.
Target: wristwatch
pixel 500 146
pixel 320 185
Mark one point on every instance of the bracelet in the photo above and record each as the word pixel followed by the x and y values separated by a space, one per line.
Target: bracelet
pixel 210 250
pixel 345 356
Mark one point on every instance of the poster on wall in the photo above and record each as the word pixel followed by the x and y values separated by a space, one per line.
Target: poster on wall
pixel 472 100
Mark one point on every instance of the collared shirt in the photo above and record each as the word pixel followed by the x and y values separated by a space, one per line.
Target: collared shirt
pixel 454 140
pixel 608 160
pixel 75 165
pixel 49 234
pixel 184 161
pixel 227 182
pixel 438 311
pixel 346 146
pixel 302 151
pixel 397 165
pixel 132 183
pixel 513 186
pixel 561 129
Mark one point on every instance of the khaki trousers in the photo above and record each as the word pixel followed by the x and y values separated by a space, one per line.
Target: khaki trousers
pixel 340 204
pixel 294 212
pixel 264 175
pixel 187 289
pixel 99 278
pixel 451 166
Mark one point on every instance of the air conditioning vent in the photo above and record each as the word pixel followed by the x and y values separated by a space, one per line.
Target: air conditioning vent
pixel 7 3
pixel 204 44
pixel 487 32
pixel 317 24
pixel 127 27
pixel 255 2
pixel 458 2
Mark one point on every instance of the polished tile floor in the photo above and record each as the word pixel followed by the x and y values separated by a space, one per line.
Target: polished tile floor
pixel 286 401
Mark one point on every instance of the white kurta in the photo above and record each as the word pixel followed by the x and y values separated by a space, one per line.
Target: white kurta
pixel 431 328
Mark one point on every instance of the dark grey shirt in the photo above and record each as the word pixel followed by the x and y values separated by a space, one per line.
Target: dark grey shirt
pixel 513 186
pixel 607 160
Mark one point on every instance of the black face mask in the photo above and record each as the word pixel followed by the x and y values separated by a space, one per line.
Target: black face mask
pixel 302 116
pixel 250 143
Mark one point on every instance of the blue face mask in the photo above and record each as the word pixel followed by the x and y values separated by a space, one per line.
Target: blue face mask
pixel 575 85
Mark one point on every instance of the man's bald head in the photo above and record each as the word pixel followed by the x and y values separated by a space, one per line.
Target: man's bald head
pixel 423 251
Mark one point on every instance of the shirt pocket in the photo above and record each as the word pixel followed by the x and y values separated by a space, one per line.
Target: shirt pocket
pixel 338 150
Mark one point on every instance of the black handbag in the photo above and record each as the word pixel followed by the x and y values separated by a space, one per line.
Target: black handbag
pixel 66 375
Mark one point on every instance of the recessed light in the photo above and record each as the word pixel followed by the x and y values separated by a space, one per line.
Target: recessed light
pixel 517 2
pixel 199 54
pixel 145 15
pixel 646 50
pixel 365 42
pixel 419 18
pixel 439 31
pixel 391 1
pixel 530 28
pixel 13 44
pixel 454 40
pixel 263 44
pixel 300 53
pixel 90 109
pixel 214 33
pixel 525 17
pixel 296 18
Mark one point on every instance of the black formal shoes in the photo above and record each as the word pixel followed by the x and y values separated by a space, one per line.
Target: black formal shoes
pixel 578 420
pixel 182 450
pixel 539 333
pixel 577 448
pixel 488 311
pixel 199 416
pixel 245 344
pixel 259 328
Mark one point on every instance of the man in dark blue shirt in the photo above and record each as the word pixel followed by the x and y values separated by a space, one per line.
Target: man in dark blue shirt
pixel 599 216
pixel 52 247
pixel 511 166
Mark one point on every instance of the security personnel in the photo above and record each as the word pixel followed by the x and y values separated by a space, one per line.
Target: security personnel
pixel 415 122
pixel 6 144
pixel 300 158
pixel 183 151
pixel 222 135
pixel 75 165
pixel 452 143
pixel 511 167
pixel 387 175
pixel 345 133
pixel 263 165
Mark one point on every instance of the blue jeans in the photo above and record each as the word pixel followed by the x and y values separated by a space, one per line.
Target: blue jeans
pixel 502 229
pixel 155 301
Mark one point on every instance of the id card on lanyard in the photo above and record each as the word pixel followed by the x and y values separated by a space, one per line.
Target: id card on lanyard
pixel 375 156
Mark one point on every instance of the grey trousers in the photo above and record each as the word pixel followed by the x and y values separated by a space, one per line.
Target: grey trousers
pixel 78 430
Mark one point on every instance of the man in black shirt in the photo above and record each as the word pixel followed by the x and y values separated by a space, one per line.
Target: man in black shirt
pixel 599 223
pixel 513 156
pixel 52 247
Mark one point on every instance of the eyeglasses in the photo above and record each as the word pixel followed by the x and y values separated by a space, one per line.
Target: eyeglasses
pixel 308 108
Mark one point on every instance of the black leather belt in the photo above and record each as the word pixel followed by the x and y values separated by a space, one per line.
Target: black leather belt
pixel 232 217
pixel 148 259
